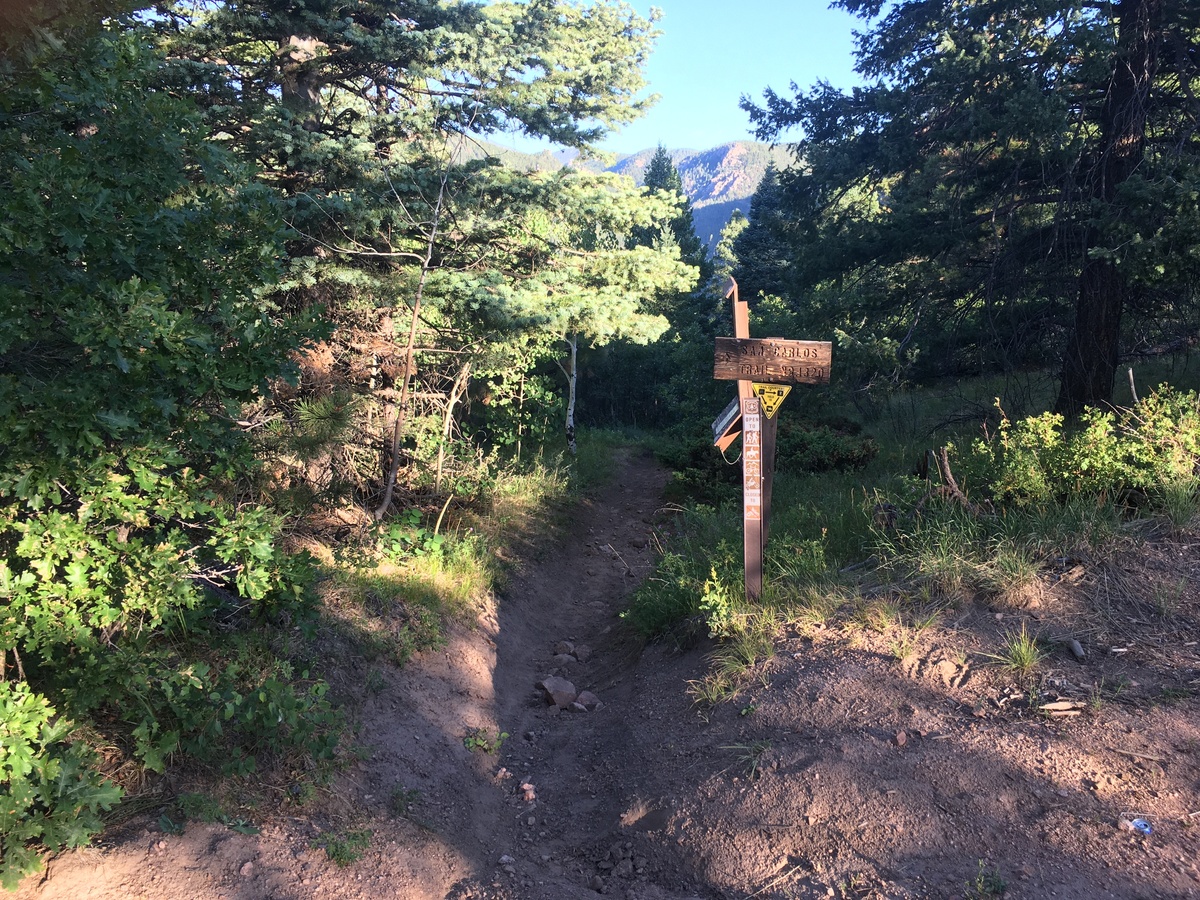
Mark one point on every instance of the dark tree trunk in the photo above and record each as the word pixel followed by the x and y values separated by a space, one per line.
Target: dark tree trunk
pixel 1090 361
pixel 300 86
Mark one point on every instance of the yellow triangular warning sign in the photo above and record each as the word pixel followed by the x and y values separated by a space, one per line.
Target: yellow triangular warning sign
pixel 771 396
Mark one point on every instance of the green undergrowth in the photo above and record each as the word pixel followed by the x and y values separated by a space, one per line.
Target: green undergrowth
pixel 393 589
pixel 232 690
pixel 1030 491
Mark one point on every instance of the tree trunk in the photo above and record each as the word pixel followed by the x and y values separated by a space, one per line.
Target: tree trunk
pixel 520 414
pixel 456 392
pixel 571 370
pixel 299 84
pixel 1090 361
pixel 393 469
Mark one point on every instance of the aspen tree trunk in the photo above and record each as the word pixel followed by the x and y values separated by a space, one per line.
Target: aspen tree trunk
pixel 570 371
pixel 520 415
pixel 456 392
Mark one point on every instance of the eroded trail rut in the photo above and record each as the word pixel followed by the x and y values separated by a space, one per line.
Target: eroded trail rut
pixel 555 813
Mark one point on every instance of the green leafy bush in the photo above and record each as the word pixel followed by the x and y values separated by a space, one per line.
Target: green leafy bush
pixel 694 579
pixel 718 605
pixel 408 537
pixel 1140 454
pixel 50 793
pixel 135 256
pixel 814 447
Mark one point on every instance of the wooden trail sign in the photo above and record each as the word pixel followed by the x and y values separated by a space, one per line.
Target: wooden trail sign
pixel 759 367
pixel 773 360
pixel 728 425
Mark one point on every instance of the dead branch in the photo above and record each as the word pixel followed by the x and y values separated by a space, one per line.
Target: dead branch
pixel 950 489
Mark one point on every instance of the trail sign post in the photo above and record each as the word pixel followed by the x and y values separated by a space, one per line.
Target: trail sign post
pixel 763 368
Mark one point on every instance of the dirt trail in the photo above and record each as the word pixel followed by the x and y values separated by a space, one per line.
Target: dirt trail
pixel 867 758
pixel 472 830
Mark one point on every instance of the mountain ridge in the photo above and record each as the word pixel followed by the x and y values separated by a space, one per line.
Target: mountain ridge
pixel 717 181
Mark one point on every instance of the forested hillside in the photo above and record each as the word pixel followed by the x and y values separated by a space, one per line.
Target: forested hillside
pixel 291 354
pixel 716 181
pixel 250 281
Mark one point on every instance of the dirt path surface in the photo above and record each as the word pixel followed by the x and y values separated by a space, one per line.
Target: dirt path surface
pixel 847 766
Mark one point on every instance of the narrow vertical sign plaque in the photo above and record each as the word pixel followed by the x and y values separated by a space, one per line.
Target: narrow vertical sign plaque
pixel 752 459
pixel 752 492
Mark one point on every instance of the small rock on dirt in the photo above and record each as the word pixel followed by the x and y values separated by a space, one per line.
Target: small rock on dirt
pixel 564 659
pixel 558 691
pixel 588 701
pixel 583 652
pixel 564 647
pixel 247 869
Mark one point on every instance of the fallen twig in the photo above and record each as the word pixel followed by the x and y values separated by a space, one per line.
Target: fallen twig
pixel 1157 759
pixel 774 881
pixel 869 561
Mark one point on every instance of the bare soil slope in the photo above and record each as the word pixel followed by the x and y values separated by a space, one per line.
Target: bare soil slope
pixel 852 764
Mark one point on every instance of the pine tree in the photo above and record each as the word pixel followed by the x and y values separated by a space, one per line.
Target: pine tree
pixel 763 256
pixel 661 175
pixel 366 120
pixel 1006 163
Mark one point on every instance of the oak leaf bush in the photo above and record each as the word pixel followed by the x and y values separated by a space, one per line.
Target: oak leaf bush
pixel 1133 455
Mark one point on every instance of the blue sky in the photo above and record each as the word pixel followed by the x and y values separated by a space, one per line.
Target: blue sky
pixel 711 53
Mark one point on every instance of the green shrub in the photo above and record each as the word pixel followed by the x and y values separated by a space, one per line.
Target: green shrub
pixel 408 537
pixel 703 562
pixel 1137 455
pixel 132 548
pixel 718 605
pixel 814 447
pixel 224 711
pixel 672 593
pixel 50 794
pixel 700 474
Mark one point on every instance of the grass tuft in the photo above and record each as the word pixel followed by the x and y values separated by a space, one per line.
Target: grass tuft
pixel 1012 575
pixel 750 756
pixel 1020 652
pixel 345 847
